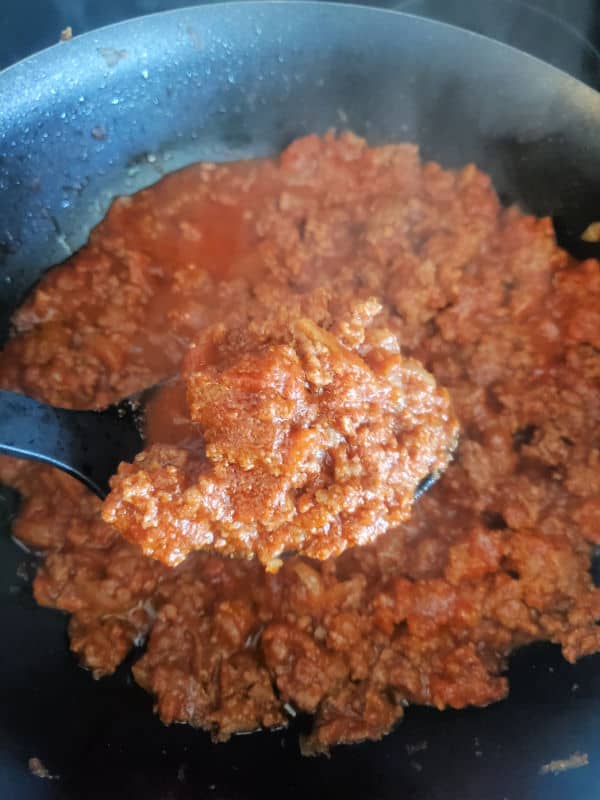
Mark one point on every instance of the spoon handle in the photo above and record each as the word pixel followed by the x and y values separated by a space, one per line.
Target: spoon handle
pixel 87 444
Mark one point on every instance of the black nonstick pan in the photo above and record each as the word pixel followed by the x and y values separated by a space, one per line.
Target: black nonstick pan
pixel 112 111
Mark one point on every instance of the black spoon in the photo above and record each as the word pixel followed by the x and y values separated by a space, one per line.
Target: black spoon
pixel 87 444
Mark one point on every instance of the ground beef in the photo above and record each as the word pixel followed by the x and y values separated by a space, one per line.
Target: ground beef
pixel 312 443
pixel 494 556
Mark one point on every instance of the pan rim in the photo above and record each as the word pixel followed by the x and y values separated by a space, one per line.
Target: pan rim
pixel 252 6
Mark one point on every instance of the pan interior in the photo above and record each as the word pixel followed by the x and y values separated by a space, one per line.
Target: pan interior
pixel 110 113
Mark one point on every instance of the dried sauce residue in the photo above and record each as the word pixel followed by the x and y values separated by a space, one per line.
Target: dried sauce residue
pixel 111 55
pixel 574 761
pixel 37 768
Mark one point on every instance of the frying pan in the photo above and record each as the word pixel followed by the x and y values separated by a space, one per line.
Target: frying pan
pixel 109 113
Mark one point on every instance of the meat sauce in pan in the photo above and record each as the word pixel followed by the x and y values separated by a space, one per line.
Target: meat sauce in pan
pixel 313 440
pixel 377 248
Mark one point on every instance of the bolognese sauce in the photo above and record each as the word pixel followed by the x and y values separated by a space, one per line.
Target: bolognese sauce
pixel 315 440
pixel 410 269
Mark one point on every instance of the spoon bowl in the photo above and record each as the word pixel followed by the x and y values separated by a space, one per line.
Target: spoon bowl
pixel 89 445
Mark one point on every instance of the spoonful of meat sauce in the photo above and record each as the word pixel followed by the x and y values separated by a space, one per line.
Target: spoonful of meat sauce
pixel 313 440
pixel 281 436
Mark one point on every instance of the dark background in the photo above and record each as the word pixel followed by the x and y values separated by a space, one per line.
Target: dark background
pixel 563 32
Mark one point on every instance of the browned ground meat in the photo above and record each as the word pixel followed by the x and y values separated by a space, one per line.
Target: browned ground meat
pixel 313 443
pixel 496 555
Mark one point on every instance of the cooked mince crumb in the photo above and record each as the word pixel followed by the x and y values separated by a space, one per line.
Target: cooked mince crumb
pixel 313 443
pixel 496 555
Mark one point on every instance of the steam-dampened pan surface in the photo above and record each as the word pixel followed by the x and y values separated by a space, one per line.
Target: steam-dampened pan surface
pixel 111 112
